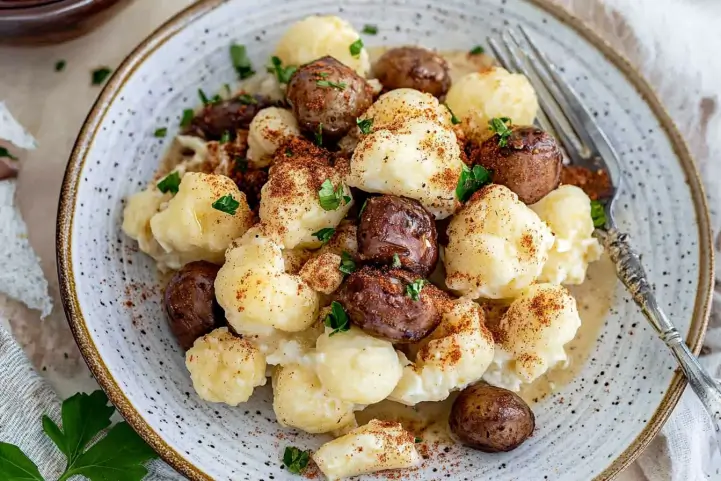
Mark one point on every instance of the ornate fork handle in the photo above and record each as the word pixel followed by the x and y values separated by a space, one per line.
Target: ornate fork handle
pixel 631 273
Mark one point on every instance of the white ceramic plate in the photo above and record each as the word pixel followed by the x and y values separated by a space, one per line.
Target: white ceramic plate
pixel 591 429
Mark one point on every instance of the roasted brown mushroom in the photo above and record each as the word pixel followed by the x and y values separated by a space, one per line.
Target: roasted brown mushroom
pixel 529 164
pixel 491 419
pixel 217 118
pixel 392 304
pixel 398 231
pixel 189 302
pixel 415 68
pixel 327 97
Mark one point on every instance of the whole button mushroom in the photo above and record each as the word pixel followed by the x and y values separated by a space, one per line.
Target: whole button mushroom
pixel 189 302
pixel 396 230
pixel 217 118
pixel 529 164
pixel 413 67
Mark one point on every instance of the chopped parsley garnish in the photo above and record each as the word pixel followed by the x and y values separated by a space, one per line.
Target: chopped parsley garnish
pixel 247 99
pixel 203 98
pixel 356 48
pixel 598 214
pixel 160 132
pixel 328 83
pixel 295 460
pixel 60 65
pixel 396 261
pixel 337 319
pixel 227 89
pixel 363 208
pixel 325 234
pixel 100 75
pixel 471 180
pixel 6 153
pixel 330 198
pixel 477 50
pixel 225 138
pixel 241 62
pixel 365 125
pixel 241 164
pixel 370 29
pixel 288 152
pixel 187 117
pixel 413 290
pixel 417 440
pixel 170 183
pixel 347 264
pixel 323 74
pixel 500 125
pixel 319 134
pixel 226 204
pixel 454 119
pixel 282 73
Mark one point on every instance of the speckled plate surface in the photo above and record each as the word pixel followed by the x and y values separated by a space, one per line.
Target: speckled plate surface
pixel 591 429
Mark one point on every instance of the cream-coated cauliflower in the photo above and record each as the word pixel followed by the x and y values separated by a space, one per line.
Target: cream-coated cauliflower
pixel 531 334
pixel 376 446
pixel 394 109
pixel 300 401
pixel 322 272
pixel 567 211
pixel 140 208
pixel 455 355
pixel 257 294
pixel 291 209
pixel 269 129
pixel 225 368
pixel 478 97
pixel 317 36
pixel 497 245
pixel 191 229
pixel 356 367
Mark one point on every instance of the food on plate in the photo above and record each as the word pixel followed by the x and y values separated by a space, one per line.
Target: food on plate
pixel 394 109
pixel 189 302
pixel 342 239
pixel 225 117
pixel 322 273
pixel 377 446
pixel 225 368
pixel 392 304
pixel 398 232
pixel 415 68
pixel 327 97
pixel 268 130
pixel 478 97
pixel 497 245
pixel 527 160
pixel 491 419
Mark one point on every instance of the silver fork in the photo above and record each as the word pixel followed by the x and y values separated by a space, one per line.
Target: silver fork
pixel 563 114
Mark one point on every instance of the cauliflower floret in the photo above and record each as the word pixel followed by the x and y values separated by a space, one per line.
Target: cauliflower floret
pixel 257 294
pixel 317 36
pixel 291 210
pixel 567 211
pixel 377 446
pixel 421 160
pixel 140 208
pixel 300 401
pixel 268 130
pixel 478 97
pixel 344 239
pixel 356 367
pixel 225 368
pixel 191 229
pixel 393 109
pixel 455 355
pixel 531 334
pixel 497 245
pixel 281 348
pixel 322 273
pixel 295 259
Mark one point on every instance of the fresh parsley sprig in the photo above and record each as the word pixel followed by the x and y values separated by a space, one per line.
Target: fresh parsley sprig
pixel 330 84
pixel 471 180
pixel 501 127
pixel 283 74
pixel 99 75
pixel 598 213
pixel 295 460
pixel 347 264
pixel 454 120
pixel 337 319
pixel 356 47
pixel 330 198
pixel 477 50
pixel 365 125
pixel 170 183
pixel 324 235
pixel 396 261
pixel 413 290
pixel 119 455
pixel 226 204
pixel 187 117
pixel 241 62
pixel 6 153
pixel 369 29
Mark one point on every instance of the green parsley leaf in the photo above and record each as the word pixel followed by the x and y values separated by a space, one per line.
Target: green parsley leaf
pixel 337 319
pixel 471 180
pixel 227 89
pixel 347 264
pixel 288 152
pixel 295 460
pixel 325 234
pixel 328 83
pixel 225 138
pixel 454 119
pixel 241 164
pixel 171 183
pixel 282 73
pixel 323 74
pixel 241 62
pixel 100 74
pixel 365 125
pixel 363 207
pixel 396 261
pixel 329 197
pixel 477 50
pixel 417 440
pixel 60 65
pixel 16 466
pixel 247 99
pixel 226 204
pixel 203 97
pixel 598 214
pixel 6 153
pixel 160 132
pixel 215 99
pixel 319 134
pixel 187 117
pixel 500 125
pixel 370 29
pixel 413 290
pixel 356 48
